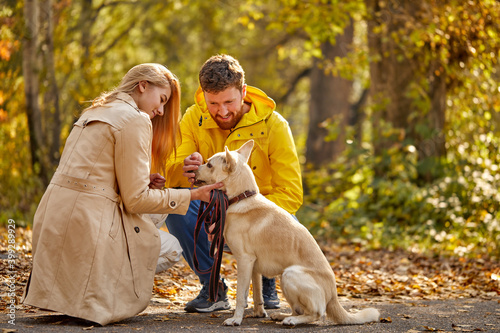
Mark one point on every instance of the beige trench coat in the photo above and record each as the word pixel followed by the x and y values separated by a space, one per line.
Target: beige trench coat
pixel 94 253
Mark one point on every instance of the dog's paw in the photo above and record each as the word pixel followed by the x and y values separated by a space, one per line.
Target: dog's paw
pixel 290 321
pixel 278 316
pixel 232 322
pixel 259 312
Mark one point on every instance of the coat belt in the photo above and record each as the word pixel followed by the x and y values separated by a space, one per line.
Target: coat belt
pixel 83 185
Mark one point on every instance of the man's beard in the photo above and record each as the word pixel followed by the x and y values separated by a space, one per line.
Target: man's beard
pixel 227 125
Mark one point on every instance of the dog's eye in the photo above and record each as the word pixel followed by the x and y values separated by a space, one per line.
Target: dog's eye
pixel 209 165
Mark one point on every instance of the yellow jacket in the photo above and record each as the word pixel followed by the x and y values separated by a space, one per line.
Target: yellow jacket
pixel 274 160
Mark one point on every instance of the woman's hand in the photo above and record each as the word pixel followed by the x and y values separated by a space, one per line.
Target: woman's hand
pixel 203 193
pixel 157 181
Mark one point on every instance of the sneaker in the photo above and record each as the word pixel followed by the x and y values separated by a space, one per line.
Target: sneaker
pixel 202 304
pixel 271 300
pixel 203 295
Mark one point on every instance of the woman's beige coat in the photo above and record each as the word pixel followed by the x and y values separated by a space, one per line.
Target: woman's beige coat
pixel 94 253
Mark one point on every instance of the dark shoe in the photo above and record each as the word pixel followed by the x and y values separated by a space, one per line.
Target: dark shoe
pixel 271 300
pixel 203 295
pixel 202 304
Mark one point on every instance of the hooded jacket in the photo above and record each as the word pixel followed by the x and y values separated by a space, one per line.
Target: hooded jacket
pixel 94 252
pixel 274 160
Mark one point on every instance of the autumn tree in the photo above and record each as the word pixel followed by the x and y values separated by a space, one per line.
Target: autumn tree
pixel 321 34
pixel 418 51
pixel 330 104
pixel 31 86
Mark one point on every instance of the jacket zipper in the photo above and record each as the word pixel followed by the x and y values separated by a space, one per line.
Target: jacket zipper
pixel 231 132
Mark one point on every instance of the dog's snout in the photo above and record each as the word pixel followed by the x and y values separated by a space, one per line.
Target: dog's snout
pixel 197 180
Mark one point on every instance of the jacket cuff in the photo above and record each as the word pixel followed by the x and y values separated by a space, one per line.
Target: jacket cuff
pixel 178 200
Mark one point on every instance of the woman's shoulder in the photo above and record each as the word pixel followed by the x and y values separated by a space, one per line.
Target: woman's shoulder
pixel 117 114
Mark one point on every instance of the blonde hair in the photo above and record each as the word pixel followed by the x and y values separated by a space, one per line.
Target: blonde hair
pixel 165 128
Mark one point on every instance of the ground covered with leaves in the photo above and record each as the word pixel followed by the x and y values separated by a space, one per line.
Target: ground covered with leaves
pixel 379 275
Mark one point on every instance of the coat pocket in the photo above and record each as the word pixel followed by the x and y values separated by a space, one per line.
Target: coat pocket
pixel 116 222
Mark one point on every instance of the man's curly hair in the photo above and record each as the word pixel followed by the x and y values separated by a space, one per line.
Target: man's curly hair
pixel 221 72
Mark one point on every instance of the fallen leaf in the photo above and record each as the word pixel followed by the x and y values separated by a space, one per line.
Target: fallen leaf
pixel 465 328
pixel 431 329
pixel 88 328
pixel 9 330
pixel 386 320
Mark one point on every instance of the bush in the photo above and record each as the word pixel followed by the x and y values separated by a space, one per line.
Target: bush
pixel 457 213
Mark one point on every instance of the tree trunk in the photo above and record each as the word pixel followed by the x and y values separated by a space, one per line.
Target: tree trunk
pixel 329 105
pixel 390 77
pixel 395 116
pixel 434 146
pixel 31 70
pixel 52 128
pixel 86 22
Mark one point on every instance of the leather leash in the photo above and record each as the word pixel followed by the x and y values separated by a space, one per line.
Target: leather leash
pixel 214 213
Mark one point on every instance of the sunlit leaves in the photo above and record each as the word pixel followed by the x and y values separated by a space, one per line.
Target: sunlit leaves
pixel 458 214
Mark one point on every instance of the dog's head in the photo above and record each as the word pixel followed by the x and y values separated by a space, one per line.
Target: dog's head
pixel 224 166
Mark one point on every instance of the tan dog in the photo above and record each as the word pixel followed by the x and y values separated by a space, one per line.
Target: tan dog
pixel 266 240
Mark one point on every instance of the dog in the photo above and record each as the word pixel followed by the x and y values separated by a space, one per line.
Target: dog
pixel 267 240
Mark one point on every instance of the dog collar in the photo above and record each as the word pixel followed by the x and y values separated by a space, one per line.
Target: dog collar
pixel 242 196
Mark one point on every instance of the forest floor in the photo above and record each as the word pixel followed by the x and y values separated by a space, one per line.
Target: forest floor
pixel 414 293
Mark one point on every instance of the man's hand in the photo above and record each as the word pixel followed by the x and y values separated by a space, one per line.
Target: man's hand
pixel 191 164
pixel 157 181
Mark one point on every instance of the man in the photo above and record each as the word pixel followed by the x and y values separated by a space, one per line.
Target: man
pixel 227 112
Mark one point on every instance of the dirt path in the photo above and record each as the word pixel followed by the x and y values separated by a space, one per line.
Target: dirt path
pixel 466 315
pixel 413 292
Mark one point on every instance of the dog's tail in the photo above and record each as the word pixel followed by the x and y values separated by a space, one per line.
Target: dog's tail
pixel 338 314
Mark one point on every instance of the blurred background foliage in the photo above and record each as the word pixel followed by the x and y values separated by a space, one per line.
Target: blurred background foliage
pixel 394 105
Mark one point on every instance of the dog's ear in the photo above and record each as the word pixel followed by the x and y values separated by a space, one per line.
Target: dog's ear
pixel 230 161
pixel 246 149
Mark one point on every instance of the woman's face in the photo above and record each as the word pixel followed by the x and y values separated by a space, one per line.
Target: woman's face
pixel 151 99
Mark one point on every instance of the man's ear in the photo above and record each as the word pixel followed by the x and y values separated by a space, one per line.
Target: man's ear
pixel 246 150
pixel 230 162
pixel 244 91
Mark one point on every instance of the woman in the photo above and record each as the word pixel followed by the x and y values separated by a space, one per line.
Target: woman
pixel 94 253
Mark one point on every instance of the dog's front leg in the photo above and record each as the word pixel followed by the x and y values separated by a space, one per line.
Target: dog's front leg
pixel 245 268
pixel 258 300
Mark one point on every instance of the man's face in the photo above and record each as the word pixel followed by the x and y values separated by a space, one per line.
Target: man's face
pixel 226 107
